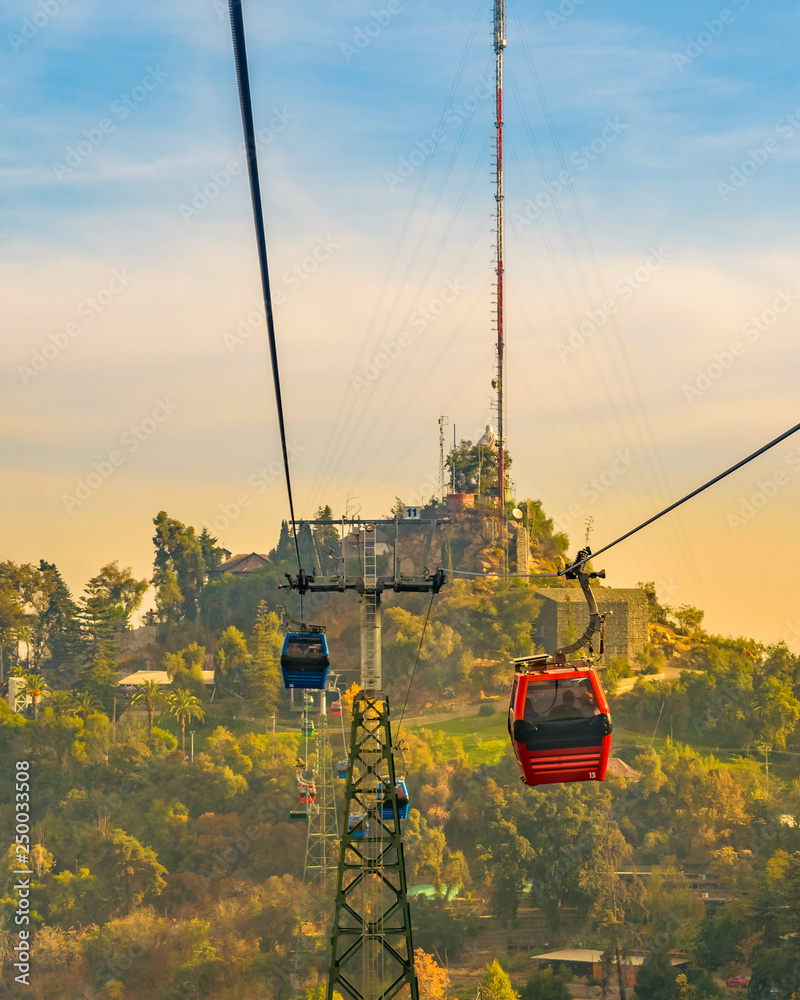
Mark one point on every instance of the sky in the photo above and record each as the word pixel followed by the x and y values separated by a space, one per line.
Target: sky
pixel 651 248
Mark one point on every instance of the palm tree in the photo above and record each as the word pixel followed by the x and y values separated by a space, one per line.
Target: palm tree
pixel 85 704
pixel 185 706
pixel 150 695
pixel 61 702
pixel 36 687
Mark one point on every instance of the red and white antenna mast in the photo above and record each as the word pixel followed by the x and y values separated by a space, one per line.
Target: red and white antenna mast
pixel 499 47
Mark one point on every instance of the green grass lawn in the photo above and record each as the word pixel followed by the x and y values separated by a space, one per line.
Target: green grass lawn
pixel 486 737
pixel 203 730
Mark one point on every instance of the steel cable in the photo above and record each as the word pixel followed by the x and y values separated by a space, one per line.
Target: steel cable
pixel 245 101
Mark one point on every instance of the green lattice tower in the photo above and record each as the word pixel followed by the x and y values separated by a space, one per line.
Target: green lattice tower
pixel 372 953
pixel 322 848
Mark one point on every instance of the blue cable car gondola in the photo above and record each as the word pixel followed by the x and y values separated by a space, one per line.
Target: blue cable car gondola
pixel 358 825
pixel 401 790
pixel 305 660
pixel 341 769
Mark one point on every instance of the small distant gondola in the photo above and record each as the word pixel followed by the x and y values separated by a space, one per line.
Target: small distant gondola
pixel 558 717
pixel 341 769
pixel 307 796
pixel 336 709
pixel 358 825
pixel 305 660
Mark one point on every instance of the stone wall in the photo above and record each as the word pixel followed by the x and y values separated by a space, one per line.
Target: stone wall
pixel 564 617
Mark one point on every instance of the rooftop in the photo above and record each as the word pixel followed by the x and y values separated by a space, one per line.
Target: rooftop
pixel 159 676
pixel 586 955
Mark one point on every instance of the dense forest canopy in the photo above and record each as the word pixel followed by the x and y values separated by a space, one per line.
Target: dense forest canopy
pixel 164 862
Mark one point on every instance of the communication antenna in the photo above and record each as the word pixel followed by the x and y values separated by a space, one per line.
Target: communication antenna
pixel 443 422
pixel 499 46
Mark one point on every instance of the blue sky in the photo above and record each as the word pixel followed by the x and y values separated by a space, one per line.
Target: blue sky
pixel 650 193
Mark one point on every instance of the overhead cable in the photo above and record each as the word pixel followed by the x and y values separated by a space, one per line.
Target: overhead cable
pixel 414 668
pixel 694 493
pixel 240 55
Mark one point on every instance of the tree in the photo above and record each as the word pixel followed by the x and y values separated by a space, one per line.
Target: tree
pixel 442 930
pixel 778 710
pixel 262 677
pixel 122 863
pixel 36 688
pixel 231 659
pixel 184 706
pixel 61 703
pixel 75 898
pixel 212 553
pixel 102 618
pixel 505 856
pixel 54 624
pixel 13 620
pixel 656 978
pixel 545 984
pixel 495 984
pixel 326 540
pixel 610 851
pixel 689 620
pixel 179 569
pixel 120 590
pixel 433 981
pixel 84 703
pixel 473 467
pixel 150 695
pixel 284 550
pixel 185 668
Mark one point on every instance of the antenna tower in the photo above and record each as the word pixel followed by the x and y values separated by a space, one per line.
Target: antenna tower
pixel 499 47
pixel 443 421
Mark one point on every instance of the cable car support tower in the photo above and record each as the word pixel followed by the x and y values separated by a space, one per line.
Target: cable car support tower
pixel 372 953
pixel 322 843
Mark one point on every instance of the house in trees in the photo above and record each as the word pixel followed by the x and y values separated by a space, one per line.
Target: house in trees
pixel 564 617
pixel 589 964
pixel 244 562
pixel 139 677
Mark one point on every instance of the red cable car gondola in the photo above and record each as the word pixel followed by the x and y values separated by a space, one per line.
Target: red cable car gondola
pixel 558 717
pixel 559 722
pixel 336 708
pixel 308 792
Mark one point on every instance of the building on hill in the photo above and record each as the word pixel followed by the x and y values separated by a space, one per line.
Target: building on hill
pixel 589 964
pixel 564 617
pixel 245 562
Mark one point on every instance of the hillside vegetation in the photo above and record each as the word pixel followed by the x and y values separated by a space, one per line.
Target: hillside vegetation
pixel 159 876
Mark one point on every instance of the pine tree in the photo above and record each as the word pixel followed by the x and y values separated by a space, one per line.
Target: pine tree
pixel 495 984
pixel 262 674
pixel 284 550
pixel 56 629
